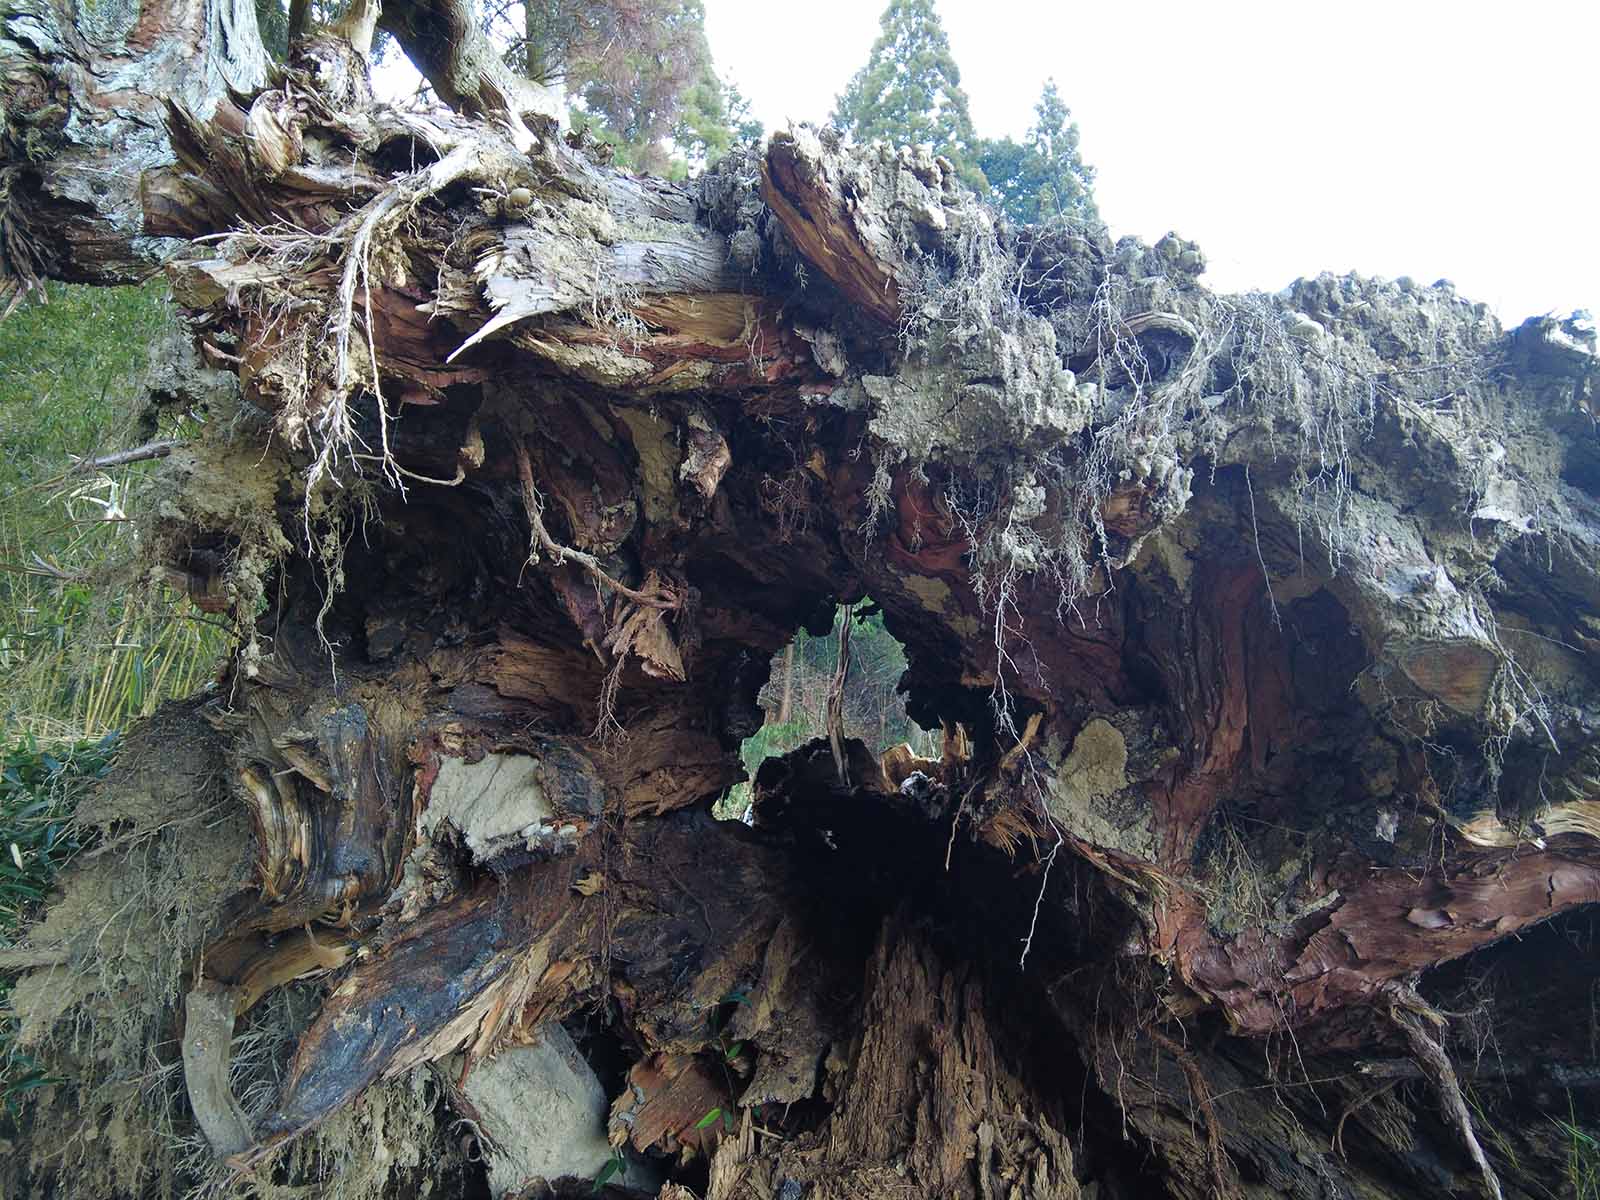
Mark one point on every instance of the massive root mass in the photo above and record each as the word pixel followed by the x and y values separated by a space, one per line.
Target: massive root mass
pixel 1262 631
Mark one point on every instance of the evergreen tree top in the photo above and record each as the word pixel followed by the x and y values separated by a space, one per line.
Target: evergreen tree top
pixel 1045 176
pixel 909 92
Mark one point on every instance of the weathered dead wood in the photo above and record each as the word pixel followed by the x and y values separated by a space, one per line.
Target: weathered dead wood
pixel 159 448
pixel 527 947
pixel 209 1012
pixel 927 1104
pixel 79 133
pixel 675 1104
pixel 330 812
pixel 446 42
pixel 841 240
pixel 1244 729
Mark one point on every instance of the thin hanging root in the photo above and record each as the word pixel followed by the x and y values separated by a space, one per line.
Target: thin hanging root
pixel 661 596
pixel 1222 1174
pixel 393 205
pixel 629 629
pixel 1336 1144
pixel 1413 1017
pixel 358 232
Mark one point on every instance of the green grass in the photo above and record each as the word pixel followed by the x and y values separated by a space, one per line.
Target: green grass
pixel 39 790
pixel 71 367
pixel 86 644
pixel 1583 1160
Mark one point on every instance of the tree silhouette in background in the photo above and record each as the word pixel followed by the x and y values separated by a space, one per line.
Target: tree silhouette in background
pixel 1044 176
pixel 909 93
pixel 639 72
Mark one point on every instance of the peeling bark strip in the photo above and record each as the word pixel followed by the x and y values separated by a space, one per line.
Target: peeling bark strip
pixel 840 238
pixel 1263 633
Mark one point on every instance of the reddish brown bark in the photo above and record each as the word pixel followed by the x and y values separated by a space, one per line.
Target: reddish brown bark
pixel 543 464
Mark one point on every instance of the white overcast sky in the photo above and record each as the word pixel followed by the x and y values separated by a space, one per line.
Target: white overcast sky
pixel 1431 138
pixel 1410 137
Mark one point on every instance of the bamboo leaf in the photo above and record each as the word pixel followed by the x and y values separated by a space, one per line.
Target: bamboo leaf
pixel 609 1171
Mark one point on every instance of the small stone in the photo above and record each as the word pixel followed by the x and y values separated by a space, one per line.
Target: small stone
pixel 1299 325
pixel 543 1109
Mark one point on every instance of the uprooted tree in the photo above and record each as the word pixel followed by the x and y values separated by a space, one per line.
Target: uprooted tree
pixel 1263 633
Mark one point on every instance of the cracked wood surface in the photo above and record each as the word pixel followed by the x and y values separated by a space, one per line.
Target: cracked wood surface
pixel 1261 631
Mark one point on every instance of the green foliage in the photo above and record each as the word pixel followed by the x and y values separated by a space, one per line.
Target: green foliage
pixel 909 93
pixel 272 20
pixel 630 66
pixel 714 119
pixel 1583 1158
pixel 873 708
pixel 80 651
pixel 614 1165
pixel 1045 176
pixel 640 78
pixel 39 789
pixel 774 738
pixel 69 364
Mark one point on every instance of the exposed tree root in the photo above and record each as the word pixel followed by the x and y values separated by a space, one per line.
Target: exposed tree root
pixel 1414 1018
pixel 1214 598
pixel 1223 1175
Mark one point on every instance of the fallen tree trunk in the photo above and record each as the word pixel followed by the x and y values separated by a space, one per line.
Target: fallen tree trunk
pixel 81 115
pixel 1262 630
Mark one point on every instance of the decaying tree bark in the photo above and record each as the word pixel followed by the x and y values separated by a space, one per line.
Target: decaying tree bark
pixel 1263 631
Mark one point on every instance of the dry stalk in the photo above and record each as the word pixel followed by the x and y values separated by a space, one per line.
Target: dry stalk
pixel 836 695
pixel 1412 1016
pixel 661 596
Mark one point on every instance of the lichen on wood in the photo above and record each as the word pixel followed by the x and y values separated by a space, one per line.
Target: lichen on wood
pixel 1262 630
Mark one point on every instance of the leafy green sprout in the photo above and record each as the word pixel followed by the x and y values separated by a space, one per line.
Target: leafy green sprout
pixel 710 1119
pixel 615 1165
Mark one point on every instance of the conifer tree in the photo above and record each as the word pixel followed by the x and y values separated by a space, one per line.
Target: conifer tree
pixel 1044 176
pixel 714 118
pixel 909 93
